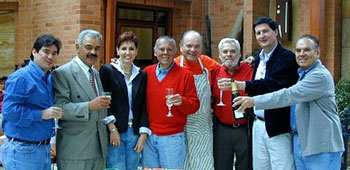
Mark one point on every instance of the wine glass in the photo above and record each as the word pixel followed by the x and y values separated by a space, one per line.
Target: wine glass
pixel 57 127
pixel 106 94
pixel 220 103
pixel 169 93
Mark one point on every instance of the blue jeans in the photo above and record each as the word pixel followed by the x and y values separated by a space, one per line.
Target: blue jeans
pixel 124 157
pixel 21 156
pixel 320 161
pixel 165 151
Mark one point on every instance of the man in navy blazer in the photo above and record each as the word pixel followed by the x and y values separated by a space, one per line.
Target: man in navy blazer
pixel 275 68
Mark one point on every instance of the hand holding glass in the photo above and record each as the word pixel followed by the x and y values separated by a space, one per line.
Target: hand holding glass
pixel 222 80
pixel 107 95
pixel 169 103
pixel 56 127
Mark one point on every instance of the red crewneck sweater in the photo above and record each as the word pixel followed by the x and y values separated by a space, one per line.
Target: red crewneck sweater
pixel 182 83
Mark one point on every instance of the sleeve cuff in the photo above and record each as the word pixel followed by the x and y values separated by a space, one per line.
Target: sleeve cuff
pixel 145 130
pixel 109 119
pixel 37 116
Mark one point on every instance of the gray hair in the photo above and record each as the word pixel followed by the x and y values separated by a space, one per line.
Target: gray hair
pixel 232 41
pixel 89 33
pixel 168 38
pixel 316 42
pixel 190 32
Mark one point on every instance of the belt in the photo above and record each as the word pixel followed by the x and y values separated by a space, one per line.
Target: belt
pixel 260 118
pixel 130 123
pixel 44 142
pixel 233 125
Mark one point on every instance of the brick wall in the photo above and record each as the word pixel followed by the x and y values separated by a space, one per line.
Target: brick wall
pixel 252 10
pixel 332 52
pixel 63 19
pixel 223 15
pixel 66 18
pixel 7 42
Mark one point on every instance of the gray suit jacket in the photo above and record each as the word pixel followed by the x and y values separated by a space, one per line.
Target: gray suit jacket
pixel 316 114
pixel 83 134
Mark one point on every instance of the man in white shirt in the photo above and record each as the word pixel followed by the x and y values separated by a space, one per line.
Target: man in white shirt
pixel 275 68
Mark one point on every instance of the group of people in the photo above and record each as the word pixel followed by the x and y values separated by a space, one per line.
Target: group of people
pixel 164 111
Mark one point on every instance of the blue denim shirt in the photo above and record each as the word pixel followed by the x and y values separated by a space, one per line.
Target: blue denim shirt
pixel 302 73
pixel 28 92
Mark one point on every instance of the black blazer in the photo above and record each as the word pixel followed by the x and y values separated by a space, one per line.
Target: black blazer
pixel 281 72
pixel 113 81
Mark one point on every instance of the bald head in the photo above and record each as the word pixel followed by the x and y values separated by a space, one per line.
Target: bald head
pixel 191 45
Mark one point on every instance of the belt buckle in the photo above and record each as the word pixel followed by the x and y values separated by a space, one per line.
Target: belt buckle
pixel 130 123
pixel 236 125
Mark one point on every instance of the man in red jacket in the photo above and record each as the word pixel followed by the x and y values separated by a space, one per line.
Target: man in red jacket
pixel 165 148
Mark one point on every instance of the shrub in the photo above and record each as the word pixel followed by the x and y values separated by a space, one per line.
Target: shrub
pixel 342 91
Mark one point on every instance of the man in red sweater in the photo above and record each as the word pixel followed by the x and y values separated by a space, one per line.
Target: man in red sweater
pixel 165 148
pixel 231 129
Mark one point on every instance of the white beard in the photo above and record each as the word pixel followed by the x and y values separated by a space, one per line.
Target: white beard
pixel 231 63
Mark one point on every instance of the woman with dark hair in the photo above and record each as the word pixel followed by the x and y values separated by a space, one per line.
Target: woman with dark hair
pixel 127 83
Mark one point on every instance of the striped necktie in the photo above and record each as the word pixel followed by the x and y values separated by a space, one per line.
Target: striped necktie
pixel 92 81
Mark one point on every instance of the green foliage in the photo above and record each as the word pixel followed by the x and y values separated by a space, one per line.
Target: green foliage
pixel 342 91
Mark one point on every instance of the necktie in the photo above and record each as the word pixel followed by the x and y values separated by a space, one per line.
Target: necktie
pixel 92 80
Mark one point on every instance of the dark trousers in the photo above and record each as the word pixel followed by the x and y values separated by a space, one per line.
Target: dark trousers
pixel 230 141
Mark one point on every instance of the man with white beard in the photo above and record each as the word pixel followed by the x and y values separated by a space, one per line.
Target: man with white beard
pixel 231 128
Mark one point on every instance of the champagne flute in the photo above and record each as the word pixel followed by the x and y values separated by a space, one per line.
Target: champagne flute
pixel 169 93
pixel 57 127
pixel 221 92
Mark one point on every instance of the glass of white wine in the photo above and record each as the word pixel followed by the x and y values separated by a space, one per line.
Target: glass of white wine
pixel 169 103
pixel 221 93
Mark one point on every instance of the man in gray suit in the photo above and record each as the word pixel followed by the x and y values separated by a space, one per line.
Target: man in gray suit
pixel 317 137
pixel 82 139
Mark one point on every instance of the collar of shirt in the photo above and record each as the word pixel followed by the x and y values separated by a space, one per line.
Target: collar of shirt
pixel 83 66
pixel 263 57
pixel 302 73
pixel 39 72
pixel 36 69
pixel 165 71
pixel 134 72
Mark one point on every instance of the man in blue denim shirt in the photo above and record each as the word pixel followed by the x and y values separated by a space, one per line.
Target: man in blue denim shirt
pixel 28 112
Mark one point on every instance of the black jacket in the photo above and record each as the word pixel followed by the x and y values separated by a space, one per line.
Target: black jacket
pixel 281 72
pixel 113 81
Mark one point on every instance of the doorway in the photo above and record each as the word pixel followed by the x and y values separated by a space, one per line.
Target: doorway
pixel 148 23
